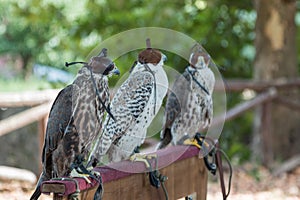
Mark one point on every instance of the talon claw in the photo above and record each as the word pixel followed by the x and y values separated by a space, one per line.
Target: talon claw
pixel 191 142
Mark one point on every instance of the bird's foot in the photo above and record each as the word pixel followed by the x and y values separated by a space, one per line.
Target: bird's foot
pixel 206 150
pixel 155 177
pixel 143 158
pixel 192 142
pixel 85 173
pixel 197 141
pixel 76 174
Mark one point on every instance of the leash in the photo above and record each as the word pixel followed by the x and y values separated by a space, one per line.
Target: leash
pixel 216 165
pixel 197 82
pixel 157 179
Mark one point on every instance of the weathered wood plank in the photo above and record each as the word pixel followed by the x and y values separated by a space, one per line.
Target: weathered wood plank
pixel 184 178
pixel 28 98
pixel 244 106
pixel 237 85
pixel 24 118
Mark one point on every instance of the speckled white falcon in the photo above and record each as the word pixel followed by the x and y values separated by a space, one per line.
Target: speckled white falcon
pixel 189 107
pixel 134 106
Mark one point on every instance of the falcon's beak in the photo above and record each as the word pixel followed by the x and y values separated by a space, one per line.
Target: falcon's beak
pixel 116 71
pixel 164 57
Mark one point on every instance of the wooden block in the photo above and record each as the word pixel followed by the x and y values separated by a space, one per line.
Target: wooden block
pixel 186 174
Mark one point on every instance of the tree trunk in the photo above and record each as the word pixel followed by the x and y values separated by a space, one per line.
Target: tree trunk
pixel 276 128
pixel 26 70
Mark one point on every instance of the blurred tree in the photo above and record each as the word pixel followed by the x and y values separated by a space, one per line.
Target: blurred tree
pixel 27 29
pixel 276 57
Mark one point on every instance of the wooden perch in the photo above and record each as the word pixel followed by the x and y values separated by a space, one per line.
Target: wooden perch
pixel 29 98
pixel 186 174
pixel 24 118
pixel 242 107
pixel 239 85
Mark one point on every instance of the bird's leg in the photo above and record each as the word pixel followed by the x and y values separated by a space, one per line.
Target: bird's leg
pixel 79 170
pixel 197 141
pixel 75 173
pixel 154 176
pixel 137 157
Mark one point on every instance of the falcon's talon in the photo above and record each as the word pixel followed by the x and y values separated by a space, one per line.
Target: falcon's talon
pixel 151 156
pixel 193 142
pixel 143 158
pixel 96 173
pixel 75 174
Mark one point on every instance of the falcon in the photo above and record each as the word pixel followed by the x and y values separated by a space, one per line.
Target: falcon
pixel 75 119
pixel 189 106
pixel 134 106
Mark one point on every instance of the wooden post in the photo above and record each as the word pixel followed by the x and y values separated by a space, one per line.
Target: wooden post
pixel 266 134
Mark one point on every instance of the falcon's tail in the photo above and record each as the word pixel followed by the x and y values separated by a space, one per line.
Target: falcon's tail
pixel 37 192
pixel 166 138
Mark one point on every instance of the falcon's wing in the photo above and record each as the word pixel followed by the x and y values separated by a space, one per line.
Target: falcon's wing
pixel 207 112
pixel 59 118
pixel 177 100
pixel 207 79
pixel 128 103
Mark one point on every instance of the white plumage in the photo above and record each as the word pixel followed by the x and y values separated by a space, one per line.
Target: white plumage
pixel 189 107
pixel 134 106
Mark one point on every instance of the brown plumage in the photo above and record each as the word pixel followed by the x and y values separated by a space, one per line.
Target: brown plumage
pixel 75 120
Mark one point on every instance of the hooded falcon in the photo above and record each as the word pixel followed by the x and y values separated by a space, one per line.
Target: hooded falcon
pixel 189 106
pixel 75 119
pixel 134 106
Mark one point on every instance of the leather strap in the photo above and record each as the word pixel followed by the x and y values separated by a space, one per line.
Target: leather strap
pixel 220 169
pixel 218 157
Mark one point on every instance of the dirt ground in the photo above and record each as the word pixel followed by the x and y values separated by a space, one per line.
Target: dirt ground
pixel 248 183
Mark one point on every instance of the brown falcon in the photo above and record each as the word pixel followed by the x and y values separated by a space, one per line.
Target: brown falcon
pixel 134 106
pixel 75 119
pixel 189 106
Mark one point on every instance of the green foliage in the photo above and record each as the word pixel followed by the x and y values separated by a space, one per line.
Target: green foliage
pixel 50 32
